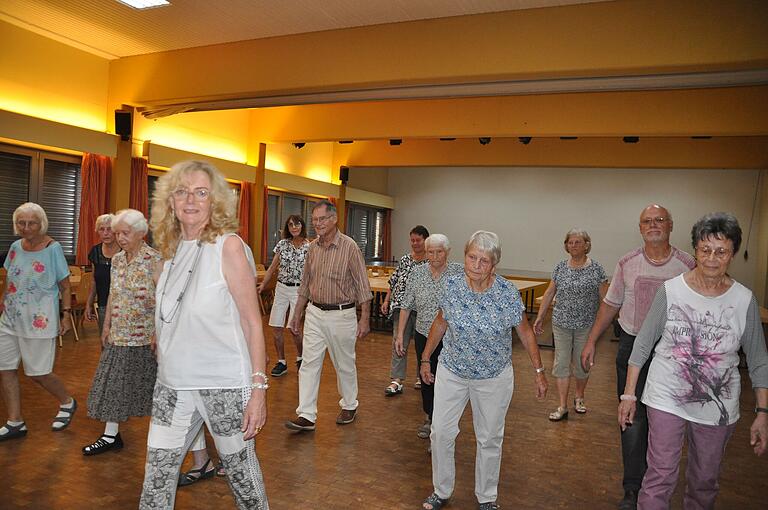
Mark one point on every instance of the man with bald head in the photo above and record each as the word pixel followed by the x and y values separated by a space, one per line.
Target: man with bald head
pixel 637 277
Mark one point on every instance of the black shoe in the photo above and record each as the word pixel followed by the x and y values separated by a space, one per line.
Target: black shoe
pixel 630 500
pixel 280 369
pixel 195 475
pixel 101 445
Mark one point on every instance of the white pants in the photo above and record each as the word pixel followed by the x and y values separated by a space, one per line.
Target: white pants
pixel 335 330
pixel 489 399
pixel 284 302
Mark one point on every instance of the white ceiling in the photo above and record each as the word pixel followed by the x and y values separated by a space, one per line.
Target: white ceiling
pixel 111 29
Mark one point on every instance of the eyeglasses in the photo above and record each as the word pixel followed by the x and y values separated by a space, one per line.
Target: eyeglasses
pixel 321 219
pixel 720 253
pixel 199 194
pixel 647 222
pixel 25 224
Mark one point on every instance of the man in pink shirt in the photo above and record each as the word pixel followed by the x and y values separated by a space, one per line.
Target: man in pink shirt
pixel 637 277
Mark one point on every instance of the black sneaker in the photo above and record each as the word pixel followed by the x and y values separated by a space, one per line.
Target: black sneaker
pixel 280 369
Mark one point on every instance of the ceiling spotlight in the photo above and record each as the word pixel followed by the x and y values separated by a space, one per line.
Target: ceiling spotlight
pixel 395 141
pixel 484 140
pixel 631 139
pixel 346 141
pixel 569 137
pixel 446 139
pixel 525 140
pixel 299 145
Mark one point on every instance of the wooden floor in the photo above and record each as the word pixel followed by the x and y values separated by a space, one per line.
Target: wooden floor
pixel 378 462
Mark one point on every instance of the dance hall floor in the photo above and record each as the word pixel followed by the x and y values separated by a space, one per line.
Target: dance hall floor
pixel 377 462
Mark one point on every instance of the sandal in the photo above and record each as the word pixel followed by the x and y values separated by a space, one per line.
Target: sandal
pixel 579 407
pixel 64 420
pixel 394 388
pixel 492 505
pixel 102 445
pixel 220 471
pixel 435 502
pixel 14 431
pixel 561 413
pixel 195 475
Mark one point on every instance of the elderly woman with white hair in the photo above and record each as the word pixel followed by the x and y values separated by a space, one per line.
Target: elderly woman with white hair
pixel 124 380
pixel 100 258
pixel 29 325
pixel 422 296
pixel 478 311
pixel 577 286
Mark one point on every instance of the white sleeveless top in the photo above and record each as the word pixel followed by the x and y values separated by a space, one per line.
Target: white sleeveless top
pixel 201 345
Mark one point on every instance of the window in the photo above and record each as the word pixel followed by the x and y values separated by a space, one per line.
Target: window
pixel 365 225
pixel 49 179
pixel 280 205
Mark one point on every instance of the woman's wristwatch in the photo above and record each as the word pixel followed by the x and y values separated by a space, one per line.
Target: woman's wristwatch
pixel 761 410
pixel 540 370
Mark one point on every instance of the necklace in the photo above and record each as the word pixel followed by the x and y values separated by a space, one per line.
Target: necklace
pixel 177 304
pixel 662 259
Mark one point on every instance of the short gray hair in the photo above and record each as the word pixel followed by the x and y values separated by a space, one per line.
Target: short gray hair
pixel 31 208
pixel 485 241
pixel 133 218
pixel 438 240
pixel 717 225
pixel 104 218
pixel 581 233
pixel 329 207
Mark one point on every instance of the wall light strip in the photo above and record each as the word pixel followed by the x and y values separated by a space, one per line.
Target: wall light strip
pixel 144 4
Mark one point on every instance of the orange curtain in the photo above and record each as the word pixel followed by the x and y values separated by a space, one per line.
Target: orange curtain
pixel 244 211
pixel 265 227
pixel 94 201
pixel 386 235
pixel 139 197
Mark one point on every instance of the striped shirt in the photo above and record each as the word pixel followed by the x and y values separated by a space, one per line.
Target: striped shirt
pixel 334 273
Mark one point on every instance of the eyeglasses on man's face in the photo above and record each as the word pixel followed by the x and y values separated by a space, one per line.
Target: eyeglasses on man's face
pixel 199 194
pixel 647 222
pixel 321 219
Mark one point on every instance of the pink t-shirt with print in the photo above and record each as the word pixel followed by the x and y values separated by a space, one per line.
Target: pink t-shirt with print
pixel 636 280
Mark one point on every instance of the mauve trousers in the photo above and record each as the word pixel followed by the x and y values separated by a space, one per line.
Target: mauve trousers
pixel 706 446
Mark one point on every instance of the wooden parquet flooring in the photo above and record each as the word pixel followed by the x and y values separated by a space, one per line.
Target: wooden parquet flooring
pixel 377 462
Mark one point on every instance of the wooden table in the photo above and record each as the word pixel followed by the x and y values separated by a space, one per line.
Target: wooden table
pixel 379 287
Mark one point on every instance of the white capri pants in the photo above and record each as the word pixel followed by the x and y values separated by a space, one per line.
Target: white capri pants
pixel 490 400
pixel 38 354
pixel 284 302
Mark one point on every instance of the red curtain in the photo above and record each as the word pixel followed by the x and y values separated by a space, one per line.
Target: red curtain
pixel 244 211
pixel 139 197
pixel 265 227
pixel 386 235
pixel 94 201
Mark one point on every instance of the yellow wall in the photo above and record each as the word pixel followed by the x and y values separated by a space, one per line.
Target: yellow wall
pixel 600 39
pixel 42 78
pixel 313 161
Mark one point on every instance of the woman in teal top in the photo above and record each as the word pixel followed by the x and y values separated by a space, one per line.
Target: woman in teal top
pixel 29 325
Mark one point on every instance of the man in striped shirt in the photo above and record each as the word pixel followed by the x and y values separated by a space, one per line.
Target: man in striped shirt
pixel 334 282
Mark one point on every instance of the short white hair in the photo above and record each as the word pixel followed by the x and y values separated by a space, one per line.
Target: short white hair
pixel 34 209
pixel 436 240
pixel 104 218
pixel 131 217
pixel 487 242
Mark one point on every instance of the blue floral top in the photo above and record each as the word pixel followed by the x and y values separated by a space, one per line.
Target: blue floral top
pixel 478 342
pixel 32 294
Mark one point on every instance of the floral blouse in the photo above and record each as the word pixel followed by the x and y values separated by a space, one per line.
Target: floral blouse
pixel 32 293
pixel 132 295
pixel 291 261
pixel 399 280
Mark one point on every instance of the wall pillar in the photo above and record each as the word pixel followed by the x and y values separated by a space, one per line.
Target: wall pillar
pixel 258 204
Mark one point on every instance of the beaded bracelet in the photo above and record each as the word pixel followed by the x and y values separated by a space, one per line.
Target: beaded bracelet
pixel 631 398
pixel 262 375
pixel 259 386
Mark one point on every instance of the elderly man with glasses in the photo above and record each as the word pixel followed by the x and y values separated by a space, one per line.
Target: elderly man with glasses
pixel 333 283
pixel 636 278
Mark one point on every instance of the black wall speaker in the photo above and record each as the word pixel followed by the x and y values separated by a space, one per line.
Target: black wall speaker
pixel 344 174
pixel 123 124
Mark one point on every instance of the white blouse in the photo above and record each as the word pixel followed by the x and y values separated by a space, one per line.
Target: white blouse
pixel 200 342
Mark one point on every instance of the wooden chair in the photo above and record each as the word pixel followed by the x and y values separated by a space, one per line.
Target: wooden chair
pixel 267 297
pixel 260 267
pixel 79 302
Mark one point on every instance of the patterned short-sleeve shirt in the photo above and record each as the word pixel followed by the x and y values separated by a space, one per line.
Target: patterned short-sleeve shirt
pixel 423 293
pixel 399 279
pixel 132 294
pixel 291 260
pixel 478 342
pixel 32 293
pixel 578 294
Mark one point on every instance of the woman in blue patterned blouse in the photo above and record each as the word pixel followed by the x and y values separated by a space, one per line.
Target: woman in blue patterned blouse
pixel 478 311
